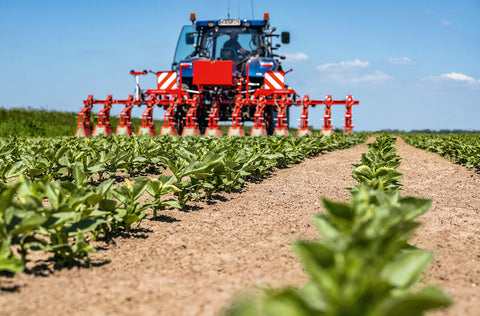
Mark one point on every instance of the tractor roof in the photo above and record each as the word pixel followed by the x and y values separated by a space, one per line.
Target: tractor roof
pixel 231 22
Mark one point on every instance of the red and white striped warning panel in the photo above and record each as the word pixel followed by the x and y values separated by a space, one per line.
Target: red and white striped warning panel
pixel 274 80
pixel 167 80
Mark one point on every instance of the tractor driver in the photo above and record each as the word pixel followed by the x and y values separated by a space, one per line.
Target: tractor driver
pixel 233 43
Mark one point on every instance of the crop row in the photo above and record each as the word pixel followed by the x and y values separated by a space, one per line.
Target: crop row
pixel 363 264
pixel 104 157
pixel 461 148
pixel 58 194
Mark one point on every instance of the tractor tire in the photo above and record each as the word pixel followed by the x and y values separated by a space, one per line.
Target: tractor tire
pixel 202 119
pixel 269 120
pixel 179 121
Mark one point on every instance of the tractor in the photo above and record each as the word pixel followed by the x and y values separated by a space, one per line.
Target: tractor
pixel 223 70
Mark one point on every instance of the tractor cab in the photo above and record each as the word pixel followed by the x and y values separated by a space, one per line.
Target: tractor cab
pixel 244 42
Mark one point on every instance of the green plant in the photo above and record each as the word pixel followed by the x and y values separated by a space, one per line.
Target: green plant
pixel 160 187
pixel 60 193
pixel 462 148
pixel 364 264
pixel 130 210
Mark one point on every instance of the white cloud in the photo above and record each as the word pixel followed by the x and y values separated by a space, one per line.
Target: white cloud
pixel 352 71
pixel 400 61
pixel 344 65
pixel 457 78
pixel 297 57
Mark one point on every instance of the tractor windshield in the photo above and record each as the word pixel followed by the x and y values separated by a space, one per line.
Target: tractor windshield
pixel 230 43
pixel 221 43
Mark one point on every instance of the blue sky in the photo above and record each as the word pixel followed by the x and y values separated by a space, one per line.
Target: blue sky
pixel 412 64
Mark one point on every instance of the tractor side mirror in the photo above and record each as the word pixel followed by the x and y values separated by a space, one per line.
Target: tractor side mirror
pixel 285 37
pixel 190 38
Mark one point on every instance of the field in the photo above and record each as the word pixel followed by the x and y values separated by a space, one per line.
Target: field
pixel 188 226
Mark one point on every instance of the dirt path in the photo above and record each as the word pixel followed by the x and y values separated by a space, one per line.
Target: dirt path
pixel 451 228
pixel 193 263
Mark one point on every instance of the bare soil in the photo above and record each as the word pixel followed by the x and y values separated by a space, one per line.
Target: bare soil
pixel 196 262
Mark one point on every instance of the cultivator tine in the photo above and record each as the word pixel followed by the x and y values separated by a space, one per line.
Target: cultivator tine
pixel 304 128
pixel 277 97
pixel 169 127
pixel 236 128
pixel 84 127
pixel 125 127
pixel 213 129
pixel 258 128
pixel 348 115
pixel 147 127
pixel 327 128
pixel 103 126
pixel 282 129
pixel 191 124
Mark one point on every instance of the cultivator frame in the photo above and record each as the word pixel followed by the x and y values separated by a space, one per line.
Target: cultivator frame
pixel 215 89
pixel 172 97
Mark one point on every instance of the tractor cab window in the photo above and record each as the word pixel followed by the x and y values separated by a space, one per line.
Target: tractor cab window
pixel 221 43
pixel 227 43
pixel 235 44
pixel 186 44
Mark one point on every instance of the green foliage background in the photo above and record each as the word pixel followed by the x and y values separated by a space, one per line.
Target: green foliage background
pixel 42 123
pixel 461 148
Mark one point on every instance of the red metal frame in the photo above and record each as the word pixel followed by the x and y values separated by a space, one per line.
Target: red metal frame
pixel 213 128
pixel 348 115
pixel 84 127
pixel 236 128
pixel 258 128
pixel 191 124
pixel 171 98
pixel 147 127
pixel 168 127
pixel 304 128
pixel 327 128
pixel 103 125
pixel 282 129
pixel 125 127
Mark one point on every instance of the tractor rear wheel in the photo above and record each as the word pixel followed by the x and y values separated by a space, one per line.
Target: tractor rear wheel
pixel 179 120
pixel 268 120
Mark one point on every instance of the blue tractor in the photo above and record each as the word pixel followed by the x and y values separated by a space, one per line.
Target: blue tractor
pixel 223 70
pixel 248 47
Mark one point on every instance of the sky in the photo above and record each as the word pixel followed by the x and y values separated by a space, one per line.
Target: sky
pixel 412 64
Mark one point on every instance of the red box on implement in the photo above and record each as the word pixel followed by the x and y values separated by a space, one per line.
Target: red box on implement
pixel 212 72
